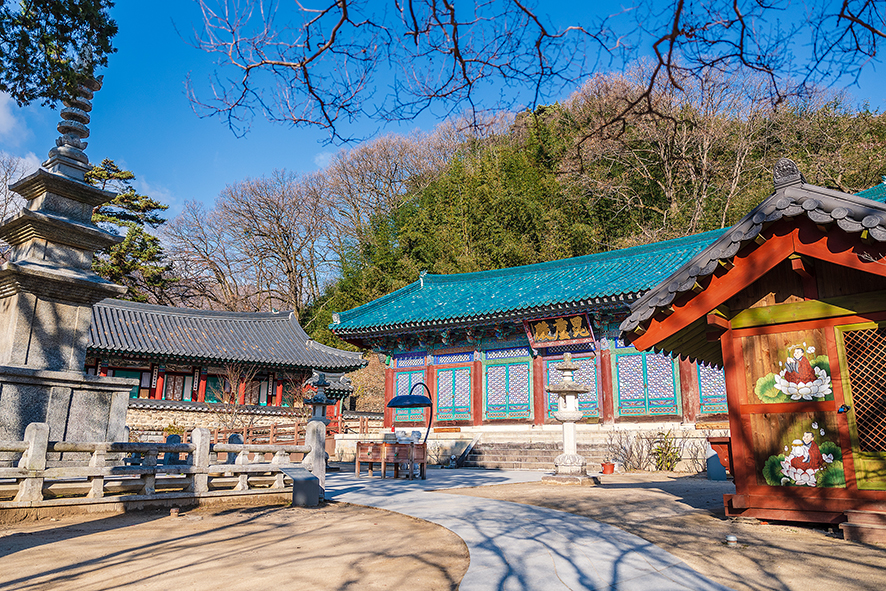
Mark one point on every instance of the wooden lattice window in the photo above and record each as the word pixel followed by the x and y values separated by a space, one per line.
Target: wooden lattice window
pixel 866 360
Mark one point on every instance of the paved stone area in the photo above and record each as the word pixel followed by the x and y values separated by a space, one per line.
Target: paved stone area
pixel 520 547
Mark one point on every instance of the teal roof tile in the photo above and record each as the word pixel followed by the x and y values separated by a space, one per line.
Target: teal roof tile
pixel 875 193
pixel 443 299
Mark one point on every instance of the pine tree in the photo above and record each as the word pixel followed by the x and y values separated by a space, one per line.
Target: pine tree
pixel 139 262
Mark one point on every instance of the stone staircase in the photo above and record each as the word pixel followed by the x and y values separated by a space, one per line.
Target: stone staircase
pixel 528 455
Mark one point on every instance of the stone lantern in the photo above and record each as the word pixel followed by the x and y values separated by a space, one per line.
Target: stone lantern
pixel 570 467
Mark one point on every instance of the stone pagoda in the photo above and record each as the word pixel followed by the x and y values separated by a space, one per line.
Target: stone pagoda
pixel 47 290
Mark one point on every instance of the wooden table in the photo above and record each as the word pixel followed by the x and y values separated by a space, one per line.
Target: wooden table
pixel 392 454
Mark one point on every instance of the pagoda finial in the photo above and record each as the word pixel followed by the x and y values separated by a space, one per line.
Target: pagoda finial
pixel 67 157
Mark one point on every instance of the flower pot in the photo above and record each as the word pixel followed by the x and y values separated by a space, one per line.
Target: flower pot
pixel 608 468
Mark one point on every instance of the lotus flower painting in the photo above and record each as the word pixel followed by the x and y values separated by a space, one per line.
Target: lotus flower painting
pixel 808 461
pixel 802 376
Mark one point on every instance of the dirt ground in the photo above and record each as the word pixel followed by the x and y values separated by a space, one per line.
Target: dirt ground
pixel 684 515
pixel 337 546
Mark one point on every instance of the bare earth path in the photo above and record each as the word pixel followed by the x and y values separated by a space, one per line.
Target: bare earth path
pixel 334 547
pixel 684 515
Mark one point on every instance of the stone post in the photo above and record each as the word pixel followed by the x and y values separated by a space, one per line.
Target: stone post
pixel 315 432
pixel 34 461
pixel 200 459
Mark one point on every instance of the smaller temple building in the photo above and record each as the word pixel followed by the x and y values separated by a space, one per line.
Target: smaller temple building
pixel 791 301
pixel 186 358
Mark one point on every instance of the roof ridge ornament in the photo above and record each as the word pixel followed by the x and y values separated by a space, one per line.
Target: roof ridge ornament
pixel 786 173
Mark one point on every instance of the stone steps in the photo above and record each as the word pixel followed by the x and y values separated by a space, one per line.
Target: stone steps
pixel 526 456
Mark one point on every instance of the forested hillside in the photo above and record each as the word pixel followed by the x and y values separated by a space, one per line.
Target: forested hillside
pixel 544 185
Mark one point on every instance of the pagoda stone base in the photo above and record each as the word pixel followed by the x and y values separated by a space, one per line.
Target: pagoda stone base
pixel 76 407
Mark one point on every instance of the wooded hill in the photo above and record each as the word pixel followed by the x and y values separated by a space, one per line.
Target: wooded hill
pixel 559 182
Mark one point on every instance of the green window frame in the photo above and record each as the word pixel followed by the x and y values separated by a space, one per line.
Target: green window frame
pixel 403 383
pixel 453 394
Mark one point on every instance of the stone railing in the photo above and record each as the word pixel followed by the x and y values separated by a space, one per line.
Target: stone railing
pixel 104 472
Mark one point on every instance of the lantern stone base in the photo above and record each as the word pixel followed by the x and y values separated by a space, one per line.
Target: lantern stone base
pixel 570 464
pixel 573 480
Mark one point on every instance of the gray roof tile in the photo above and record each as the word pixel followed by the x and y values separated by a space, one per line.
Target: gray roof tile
pixel 264 338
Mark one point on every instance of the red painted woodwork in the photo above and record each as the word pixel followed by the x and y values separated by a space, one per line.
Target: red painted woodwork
pixel 278 396
pixel 722 446
pixel 241 393
pixel 477 393
pixel 158 391
pixel 389 395
pixel 607 397
pixel 749 266
pixel 538 391
pixel 431 382
pixel 201 386
pixel 689 391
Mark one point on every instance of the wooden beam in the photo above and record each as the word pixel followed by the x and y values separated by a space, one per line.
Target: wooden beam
pixel 716 326
pixel 801 267
pixel 850 305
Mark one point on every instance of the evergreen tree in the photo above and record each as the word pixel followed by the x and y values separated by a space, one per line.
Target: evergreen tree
pixel 50 47
pixel 139 262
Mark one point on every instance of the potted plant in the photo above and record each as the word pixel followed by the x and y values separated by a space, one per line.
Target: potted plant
pixel 608 466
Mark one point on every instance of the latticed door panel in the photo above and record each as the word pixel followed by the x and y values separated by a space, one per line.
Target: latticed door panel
pixel 404 381
pixel 646 384
pixel 660 384
pixel 866 360
pixel 631 384
pixel 711 389
pixel 454 394
pixel 508 391
pixel 586 376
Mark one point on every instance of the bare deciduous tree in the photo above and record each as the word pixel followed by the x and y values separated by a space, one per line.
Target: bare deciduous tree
pixel 328 64
pixel 263 246
pixel 12 169
pixel 228 410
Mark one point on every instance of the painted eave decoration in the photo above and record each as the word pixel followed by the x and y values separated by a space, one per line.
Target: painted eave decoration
pixel 267 339
pixel 678 315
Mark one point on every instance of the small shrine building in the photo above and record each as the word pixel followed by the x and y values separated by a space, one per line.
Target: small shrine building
pixel 791 301
pixel 485 343
pixel 180 356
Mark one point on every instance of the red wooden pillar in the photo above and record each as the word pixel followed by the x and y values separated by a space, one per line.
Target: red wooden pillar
pixel 538 391
pixel 241 394
pixel 607 396
pixel 389 394
pixel 431 382
pixel 477 391
pixel 278 396
pixel 201 386
pixel 161 378
pixel 689 391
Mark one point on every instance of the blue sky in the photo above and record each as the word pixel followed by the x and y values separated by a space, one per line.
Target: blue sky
pixel 142 117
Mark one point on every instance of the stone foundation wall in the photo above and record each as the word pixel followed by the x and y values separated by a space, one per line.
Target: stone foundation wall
pixel 140 419
pixel 147 421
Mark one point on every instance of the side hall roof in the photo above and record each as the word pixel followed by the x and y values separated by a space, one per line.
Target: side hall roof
pixel 793 197
pixel 273 340
pixel 618 276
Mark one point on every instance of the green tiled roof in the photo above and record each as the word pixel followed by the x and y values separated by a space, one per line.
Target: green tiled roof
pixel 435 300
pixel 875 193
